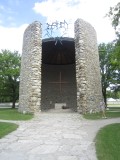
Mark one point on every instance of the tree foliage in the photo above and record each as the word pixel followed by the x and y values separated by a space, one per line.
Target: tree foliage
pixel 9 76
pixel 114 14
pixel 109 64
pixel 110 57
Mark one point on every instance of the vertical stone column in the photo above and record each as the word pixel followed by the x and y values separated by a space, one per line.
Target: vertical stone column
pixel 30 76
pixel 89 92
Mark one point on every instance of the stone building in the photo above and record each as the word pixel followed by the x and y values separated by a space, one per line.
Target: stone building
pixel 60 71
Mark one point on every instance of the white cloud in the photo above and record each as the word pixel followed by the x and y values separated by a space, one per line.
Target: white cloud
pixel 57 9
pixel 12 38
pixel 93 11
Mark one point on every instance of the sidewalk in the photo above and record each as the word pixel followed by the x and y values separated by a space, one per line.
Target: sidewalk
pixel 53 136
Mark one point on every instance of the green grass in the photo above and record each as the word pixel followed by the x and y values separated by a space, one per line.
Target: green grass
pixel 113 105
pixel 13 114
pixel 6 128
pixel 109 114
pixel 107 142
pixel 114 108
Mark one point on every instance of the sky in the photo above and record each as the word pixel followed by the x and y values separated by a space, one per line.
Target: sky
pixel 16 15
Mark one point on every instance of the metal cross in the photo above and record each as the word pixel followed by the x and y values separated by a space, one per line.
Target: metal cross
pixel 60 82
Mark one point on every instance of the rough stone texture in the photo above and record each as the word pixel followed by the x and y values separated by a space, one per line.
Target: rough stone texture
pixel 53 136
pixel 89 93
pixel 50 91
pixel 30 77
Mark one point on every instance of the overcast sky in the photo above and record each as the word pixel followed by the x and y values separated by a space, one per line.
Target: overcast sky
pixel 16 15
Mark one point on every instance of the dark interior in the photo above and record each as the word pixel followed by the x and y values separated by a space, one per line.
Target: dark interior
pixel 58 51
pixel 58 73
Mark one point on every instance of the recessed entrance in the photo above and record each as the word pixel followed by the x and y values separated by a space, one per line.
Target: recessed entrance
pixel 59 106
pixel 58 73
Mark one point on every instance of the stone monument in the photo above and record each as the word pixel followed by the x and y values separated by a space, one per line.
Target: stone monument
pixel 60 70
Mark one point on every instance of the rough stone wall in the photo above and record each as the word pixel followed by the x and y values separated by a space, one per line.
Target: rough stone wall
pixel 30 76
pixel 50 92
pixel 89 93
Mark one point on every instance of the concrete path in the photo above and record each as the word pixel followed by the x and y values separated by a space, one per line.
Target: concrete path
pixel 53 136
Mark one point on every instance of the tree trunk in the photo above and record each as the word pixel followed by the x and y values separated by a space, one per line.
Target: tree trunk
pixel 13 104
pixel 105 96
pixel 13 96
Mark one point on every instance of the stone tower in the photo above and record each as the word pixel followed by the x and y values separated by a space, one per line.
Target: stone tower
pixel 79 67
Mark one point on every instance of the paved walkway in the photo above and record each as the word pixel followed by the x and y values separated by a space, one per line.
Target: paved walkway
pixel 53 136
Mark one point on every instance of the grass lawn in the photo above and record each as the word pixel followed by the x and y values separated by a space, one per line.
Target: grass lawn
pixel 114 108
pixel 113 105
pixel 113 112
pixel 13 114
pixel 107 142
pixel 6 128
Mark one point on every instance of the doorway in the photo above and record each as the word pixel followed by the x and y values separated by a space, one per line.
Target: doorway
pixel 58 74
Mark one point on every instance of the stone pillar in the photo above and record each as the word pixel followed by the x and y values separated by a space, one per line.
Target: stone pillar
pixel 89 91
pixel 30 76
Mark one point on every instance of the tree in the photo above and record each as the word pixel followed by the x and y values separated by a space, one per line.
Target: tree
pixel 9 76
pixel 114 15
pixel 109 67
pixel 110 56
